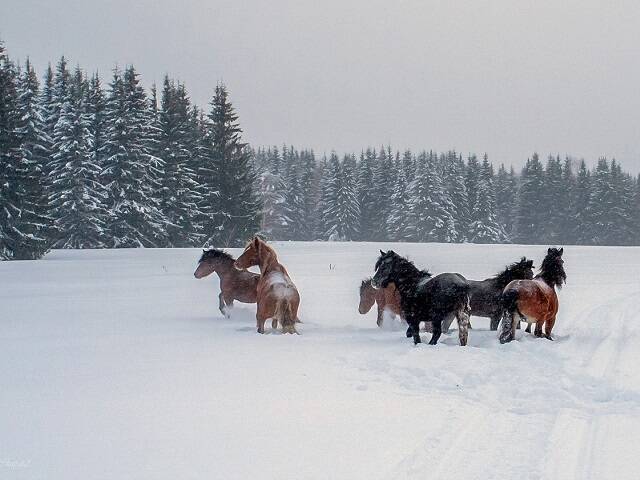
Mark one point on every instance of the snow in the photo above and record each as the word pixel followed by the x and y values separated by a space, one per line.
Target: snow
pixel 118 364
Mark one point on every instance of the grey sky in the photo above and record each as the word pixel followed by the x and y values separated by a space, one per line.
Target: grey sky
pixel 505 76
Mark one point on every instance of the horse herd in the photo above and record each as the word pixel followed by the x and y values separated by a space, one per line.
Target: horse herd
pixel 399 287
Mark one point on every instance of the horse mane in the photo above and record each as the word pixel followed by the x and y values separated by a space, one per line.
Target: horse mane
pixel 365 284
pixel 512 272
pixel 405 266
pixel 215 253
pixel 552 270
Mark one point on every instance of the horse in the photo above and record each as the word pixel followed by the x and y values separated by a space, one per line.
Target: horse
pixel 536 300
pixel 425 298
pixel 486 294
pixel 386 298
pixel 277 296
pixel 235 284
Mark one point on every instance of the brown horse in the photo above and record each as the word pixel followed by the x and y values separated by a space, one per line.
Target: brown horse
pixel 386 298
pixel 278 297
pixel 534 301
pixel 235 284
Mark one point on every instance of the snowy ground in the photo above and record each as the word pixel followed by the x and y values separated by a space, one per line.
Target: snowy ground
pixel 118 365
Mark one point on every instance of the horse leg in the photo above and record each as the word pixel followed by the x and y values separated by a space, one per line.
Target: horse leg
pixel 261 317
pixel 446 324
pixel 437 331
pixel 380 316
pixel 508 333
pixel 228 306
pixel 463 325
pixel 495 321
pixel 538 330
pixel 548 327
pixel 410 330
pixel 528 329
pixel 221 304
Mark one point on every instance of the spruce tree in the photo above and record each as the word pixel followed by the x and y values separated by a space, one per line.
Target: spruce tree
pixel 530 214
pixel 485 227
pixel 454 180
pixel 75 196
pixel 236 214
pixel 506 190
pixel 131 174
pixel 580 227
pixel 554 195
pixel 179 193
pixel 398 226
pixel 369 217
pixel 22 223
pixel 429 218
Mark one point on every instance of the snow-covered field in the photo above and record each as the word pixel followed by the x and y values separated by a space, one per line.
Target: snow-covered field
pixel 118 365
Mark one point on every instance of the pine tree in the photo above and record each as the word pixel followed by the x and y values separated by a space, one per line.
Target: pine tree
pixel 398 227
pixel 75 196
pixel 310 194
pixel 429 218
pixel 567 203
pixel 506 190
pixel 530 214
pixel 179 194
pixel 553 192
pixel 485 227
pixel 601 203
pixel 131 174
pixel 35 224
pixel 581 231
pixel 22 224
pixel 294 198
pixel 369 217
pixel 236 214
pixel 454 179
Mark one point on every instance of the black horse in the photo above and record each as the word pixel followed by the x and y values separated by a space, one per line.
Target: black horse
pixel 425 298
pixel 486 294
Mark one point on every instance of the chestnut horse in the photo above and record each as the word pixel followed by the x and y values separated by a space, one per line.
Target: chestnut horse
pixel 277 296
pixel 534 301
pixel 235 284
pixel 386 298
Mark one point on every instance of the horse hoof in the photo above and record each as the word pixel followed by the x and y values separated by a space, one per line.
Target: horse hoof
pixel 548 337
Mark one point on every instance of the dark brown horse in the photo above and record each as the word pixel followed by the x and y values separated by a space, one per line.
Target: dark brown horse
pixel 386 298
pixel 534 301
pixel 486 294
pixel 235 284
pixel 277 296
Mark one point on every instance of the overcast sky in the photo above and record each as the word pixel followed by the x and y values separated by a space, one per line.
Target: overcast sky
pixel 507 77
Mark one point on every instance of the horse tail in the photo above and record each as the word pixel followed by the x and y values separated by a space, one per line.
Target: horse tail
pixel 285 316
pixel 509 302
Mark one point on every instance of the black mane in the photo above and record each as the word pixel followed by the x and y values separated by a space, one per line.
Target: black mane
pixel 214 254
pixel 552 269
pixel 516 271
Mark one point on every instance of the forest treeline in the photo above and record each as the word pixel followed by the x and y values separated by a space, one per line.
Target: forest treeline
pixel 86 163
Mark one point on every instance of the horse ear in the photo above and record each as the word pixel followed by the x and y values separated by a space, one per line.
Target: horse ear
pixel 530 263
pixel 256 241
pixel 561 250
pixel 381 252
pixel 548 251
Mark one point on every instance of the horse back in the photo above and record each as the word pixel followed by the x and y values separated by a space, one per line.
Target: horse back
pixel 535 299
